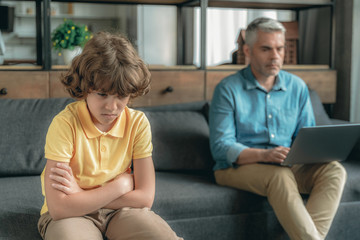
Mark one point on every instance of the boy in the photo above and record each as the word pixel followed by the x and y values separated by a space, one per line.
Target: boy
pixel 92 144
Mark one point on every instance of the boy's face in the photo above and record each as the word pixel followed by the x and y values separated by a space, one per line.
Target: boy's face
pixel 105 109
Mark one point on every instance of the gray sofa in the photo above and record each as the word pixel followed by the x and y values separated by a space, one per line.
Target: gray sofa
pixel 186 194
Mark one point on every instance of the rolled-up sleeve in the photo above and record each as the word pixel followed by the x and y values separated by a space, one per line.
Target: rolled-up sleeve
pixel 224 147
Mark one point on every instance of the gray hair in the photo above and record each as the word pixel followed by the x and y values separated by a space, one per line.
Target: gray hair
pixel 263 24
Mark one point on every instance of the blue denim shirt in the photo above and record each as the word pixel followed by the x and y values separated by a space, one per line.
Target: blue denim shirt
pixel 244 115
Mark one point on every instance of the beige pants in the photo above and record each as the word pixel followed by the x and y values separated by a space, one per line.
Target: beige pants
pixel 282 186
pixel 126 223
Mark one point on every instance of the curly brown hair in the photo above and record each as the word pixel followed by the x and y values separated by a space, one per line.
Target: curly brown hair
pixel 109 64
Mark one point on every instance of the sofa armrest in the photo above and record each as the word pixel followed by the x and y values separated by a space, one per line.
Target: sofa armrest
pixel 321 117
pixel 355 153
pixel 338 121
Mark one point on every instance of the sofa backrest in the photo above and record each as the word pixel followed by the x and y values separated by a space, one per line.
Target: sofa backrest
pixel 23 128
pixel 180 136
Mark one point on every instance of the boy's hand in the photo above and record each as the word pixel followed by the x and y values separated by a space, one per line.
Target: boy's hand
pixel 65 181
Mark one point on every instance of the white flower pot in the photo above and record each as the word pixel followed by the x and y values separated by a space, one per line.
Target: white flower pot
pixel 68 55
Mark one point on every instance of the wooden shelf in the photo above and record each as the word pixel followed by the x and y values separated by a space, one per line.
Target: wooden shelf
pixel 18 68
pixel 261 4
pixel 269 4
pixel 151 67
pixel 318 77
pixel 228 67
pixel 188 82
pixel 153 2
pixel 69 16
pixel 233 67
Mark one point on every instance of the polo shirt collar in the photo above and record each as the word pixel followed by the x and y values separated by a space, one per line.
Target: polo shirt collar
pixel 92 131
pixel 252 83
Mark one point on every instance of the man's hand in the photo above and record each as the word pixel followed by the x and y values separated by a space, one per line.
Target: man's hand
pixel 275 155
pixel 257 155
pixel 65 181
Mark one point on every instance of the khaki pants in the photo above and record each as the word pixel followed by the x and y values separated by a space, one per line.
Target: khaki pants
pixel 282 186
pixel 126 223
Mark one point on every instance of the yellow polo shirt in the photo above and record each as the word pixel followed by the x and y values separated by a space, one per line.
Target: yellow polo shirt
pixel 96 157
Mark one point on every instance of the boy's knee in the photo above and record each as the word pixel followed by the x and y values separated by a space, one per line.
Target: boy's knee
pixel 139 224
pixel 72 228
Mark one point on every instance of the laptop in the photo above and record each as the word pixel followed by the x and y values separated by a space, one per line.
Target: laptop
pixel 321 144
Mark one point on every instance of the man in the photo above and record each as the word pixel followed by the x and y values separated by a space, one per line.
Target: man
pixel 254 116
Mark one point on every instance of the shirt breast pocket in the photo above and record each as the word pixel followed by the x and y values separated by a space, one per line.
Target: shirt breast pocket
pixel 287 120
pixel 250 125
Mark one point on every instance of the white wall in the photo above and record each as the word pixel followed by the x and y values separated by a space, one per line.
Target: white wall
pixel 157 34
pixel 223 28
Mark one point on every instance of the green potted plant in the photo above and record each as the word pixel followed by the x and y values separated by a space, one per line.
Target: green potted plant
pixel 69 38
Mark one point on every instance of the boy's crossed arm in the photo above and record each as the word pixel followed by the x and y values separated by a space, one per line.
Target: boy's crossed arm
pixel 144 187
pixel 66 199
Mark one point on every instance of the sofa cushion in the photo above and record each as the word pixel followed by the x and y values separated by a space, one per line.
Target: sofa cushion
pixel 180 137
pixel 180 140
pixel 185 196
pixel 20 204
pixel 24 124
pixel 352 186
pixel 180 197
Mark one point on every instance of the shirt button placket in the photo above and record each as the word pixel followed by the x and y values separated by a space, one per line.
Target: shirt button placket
pixel 104 152
pixel 269 116
pixel 103 148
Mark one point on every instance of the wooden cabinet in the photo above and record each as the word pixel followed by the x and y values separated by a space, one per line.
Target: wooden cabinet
pixel 167 87
pixel 324 82
pixel 24 84
pixel 320 78
pixel 170 87
pixel 56 89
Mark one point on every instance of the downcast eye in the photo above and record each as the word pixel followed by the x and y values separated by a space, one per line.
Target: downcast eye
pixel 102 94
